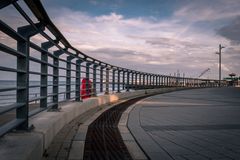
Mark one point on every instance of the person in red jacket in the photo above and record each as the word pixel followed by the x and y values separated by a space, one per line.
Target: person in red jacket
pixel 86 91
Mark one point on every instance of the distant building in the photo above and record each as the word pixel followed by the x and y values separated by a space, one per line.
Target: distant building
pixel 232 80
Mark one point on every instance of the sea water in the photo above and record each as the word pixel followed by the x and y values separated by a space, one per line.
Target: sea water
pixel 9 97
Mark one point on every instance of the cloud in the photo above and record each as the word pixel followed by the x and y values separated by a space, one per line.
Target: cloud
pixel 232 51
pixel 231 31
pixel 127 56
pixel 171 42
pixel 206 10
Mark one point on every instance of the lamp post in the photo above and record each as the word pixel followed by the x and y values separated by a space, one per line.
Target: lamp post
pixel 220 60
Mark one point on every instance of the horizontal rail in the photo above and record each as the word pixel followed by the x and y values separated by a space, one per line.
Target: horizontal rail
pixel 5 109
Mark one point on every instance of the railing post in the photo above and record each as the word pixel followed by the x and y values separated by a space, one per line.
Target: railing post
pixel 113 80
pixel 150 81
pixel 44 71
pixel 132 79
pixel 136 80
pixel 144 85
pixel 78 80
pixel 170 81
pixel 95 79
pixel 107 81
pixel 159 83
pixel 88 89
pixel 68 77
pixel 179 81
pixel 23 77
pixel 176 81
pixel 118 80
pixel 56 78
pixel 101 78
pixel 160 80
pixel 128 74
pixel 139 80
pixel 123 80
pixel 147 80
pixel 153 81
pixel 183 82
pixel 156 80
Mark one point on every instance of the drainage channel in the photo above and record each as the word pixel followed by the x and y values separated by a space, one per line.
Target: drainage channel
pixel 103 140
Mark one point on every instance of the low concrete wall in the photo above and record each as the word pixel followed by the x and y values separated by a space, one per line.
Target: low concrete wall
pixel 31 145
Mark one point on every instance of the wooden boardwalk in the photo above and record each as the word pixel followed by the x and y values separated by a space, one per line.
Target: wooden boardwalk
pixel 196 124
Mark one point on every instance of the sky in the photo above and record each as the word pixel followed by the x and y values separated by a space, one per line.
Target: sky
pixel 157 36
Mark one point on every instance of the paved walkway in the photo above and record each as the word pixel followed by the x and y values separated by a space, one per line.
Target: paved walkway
pixel 193 124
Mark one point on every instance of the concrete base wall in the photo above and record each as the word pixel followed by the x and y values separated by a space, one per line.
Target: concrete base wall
pixel 31 145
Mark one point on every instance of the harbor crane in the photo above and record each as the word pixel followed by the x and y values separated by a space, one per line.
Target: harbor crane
pixel 205 71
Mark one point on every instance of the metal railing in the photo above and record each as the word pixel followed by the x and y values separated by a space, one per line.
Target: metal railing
pixel 54 71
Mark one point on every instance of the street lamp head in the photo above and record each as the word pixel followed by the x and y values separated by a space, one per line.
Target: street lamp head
pixel 221 47
pixel 216 52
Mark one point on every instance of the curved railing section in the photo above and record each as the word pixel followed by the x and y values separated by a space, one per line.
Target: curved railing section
pixel 51 70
